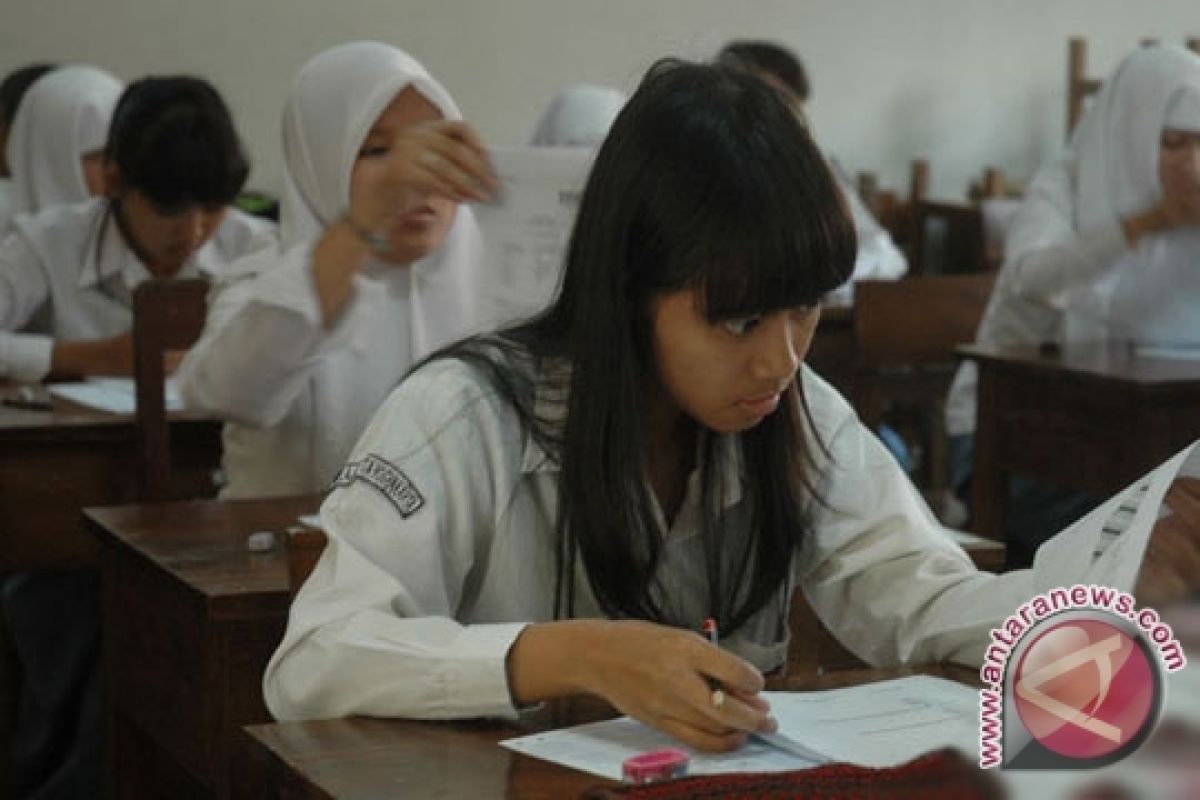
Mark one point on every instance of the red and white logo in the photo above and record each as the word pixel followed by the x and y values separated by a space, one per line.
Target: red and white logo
pixel 1085 689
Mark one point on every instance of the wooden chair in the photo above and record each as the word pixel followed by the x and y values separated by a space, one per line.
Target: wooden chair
pixel 1079 85
pixel 906 332
pixel 167 315
pixel 892 212
pixel 948 238
pixel 304 548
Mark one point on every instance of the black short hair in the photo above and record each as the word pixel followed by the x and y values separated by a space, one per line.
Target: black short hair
pixel 15 85
pixel 172 139
pixel 772 58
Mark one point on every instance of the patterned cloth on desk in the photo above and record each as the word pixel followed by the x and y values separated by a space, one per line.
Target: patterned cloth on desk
pixel 942 774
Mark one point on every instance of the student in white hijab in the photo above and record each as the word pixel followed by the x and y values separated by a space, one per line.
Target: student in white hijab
pixel 578 116
pixel 1106 244
pixel 376 268
pixel 13 89
pixel 56 143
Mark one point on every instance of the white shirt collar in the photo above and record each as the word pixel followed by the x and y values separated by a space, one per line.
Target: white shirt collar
pixel 111 255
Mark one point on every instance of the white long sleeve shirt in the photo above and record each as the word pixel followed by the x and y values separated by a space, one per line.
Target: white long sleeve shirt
pixel 877 257
pixel 6 205
pixel 298 395
pixel 1048 269
pixel 441 549
pixel 67 273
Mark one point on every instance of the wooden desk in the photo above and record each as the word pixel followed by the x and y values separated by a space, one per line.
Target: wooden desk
pixel 190 619
pixel 1092 416
pixel 55 462
pixel 372 758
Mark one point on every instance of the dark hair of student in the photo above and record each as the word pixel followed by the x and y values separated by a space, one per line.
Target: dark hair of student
pixel 707 180
pixel 173 140
pixel 771 58
pixel 15 85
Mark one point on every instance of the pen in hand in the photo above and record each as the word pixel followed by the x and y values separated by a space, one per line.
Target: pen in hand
pixel 709 629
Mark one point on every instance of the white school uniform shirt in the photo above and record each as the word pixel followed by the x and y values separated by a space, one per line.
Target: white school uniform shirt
pixel 441 549
pixel 67 273
pixel 1069 274
pixel 877 257
pixel 6 210
pixel 298 395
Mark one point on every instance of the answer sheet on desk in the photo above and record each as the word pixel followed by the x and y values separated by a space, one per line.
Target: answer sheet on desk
pixel 881 724
pixel 116 395
pixel 601 747
pixel 877 724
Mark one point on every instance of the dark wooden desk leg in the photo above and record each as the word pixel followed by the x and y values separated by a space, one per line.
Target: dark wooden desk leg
pixel 108 610
pixel 989 480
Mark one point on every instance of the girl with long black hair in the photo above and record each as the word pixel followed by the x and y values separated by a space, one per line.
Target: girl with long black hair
pixel 556 508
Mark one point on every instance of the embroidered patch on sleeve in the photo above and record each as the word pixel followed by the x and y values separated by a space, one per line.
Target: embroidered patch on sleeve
pixel 387 478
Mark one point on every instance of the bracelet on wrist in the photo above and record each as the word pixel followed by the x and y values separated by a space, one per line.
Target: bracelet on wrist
pixel 378 243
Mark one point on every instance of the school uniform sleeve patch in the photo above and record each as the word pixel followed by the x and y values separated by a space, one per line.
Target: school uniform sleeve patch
pixel 385 477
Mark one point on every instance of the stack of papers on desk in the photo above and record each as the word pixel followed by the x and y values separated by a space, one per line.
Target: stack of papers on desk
pixel 877 725
pixel 115 395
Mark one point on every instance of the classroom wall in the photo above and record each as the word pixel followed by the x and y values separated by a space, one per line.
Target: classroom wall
pixel 965 83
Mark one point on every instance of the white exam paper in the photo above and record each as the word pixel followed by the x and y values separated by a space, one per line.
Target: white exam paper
pixel 526 228
pixel 877 724
pixel 115 395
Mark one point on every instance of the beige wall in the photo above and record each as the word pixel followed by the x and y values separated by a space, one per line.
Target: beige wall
pixel 963 82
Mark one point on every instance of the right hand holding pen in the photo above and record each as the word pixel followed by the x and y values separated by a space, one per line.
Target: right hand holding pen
pixel 661 676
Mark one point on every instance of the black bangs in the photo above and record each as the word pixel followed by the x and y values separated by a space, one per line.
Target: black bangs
pixel 745 207
pixel 173 140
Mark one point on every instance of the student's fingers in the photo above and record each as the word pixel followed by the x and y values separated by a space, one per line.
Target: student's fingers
pixel 754 700
pixel 449 178
pixel 465 148
pixel 729 670
pixel 448 158
pixel 701 739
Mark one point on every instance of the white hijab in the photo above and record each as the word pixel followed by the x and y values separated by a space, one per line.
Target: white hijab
pixel 64 116
pixel 1153 294
pixel 335 99
pixel 578 116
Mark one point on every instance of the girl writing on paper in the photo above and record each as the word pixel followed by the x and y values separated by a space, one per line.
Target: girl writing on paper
pixel 1104 247
pixel 376 268
pixel 555 509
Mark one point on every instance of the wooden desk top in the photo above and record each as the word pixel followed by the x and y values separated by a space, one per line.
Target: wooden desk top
pixel 202 543
pixel 1099 361
pixel 69 417
pixel 368 758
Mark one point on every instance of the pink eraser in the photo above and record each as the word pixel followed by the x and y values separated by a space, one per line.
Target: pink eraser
pixel 655 765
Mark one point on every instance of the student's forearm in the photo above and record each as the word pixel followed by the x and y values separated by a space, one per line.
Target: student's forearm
pixel 550 659
pixel 337 258
pixel 76 358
